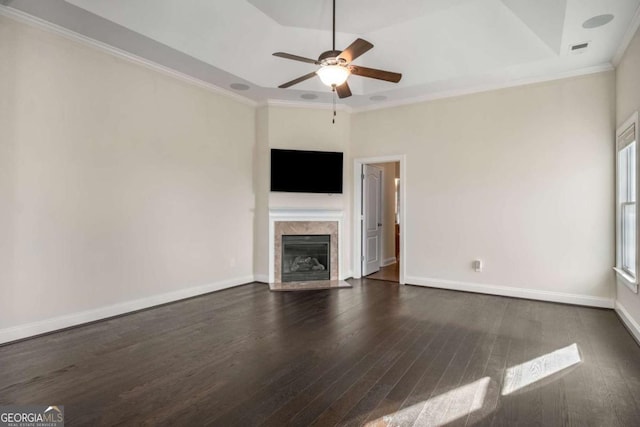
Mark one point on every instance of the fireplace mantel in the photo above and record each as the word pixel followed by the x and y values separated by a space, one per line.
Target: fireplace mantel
pixel 308 215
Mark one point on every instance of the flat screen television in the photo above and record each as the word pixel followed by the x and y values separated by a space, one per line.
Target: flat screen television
pixel 296 171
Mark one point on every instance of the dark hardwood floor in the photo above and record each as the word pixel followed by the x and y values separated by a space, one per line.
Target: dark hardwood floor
pixel 388 273
pixel 377 354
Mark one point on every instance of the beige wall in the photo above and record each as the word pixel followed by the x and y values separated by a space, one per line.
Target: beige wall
pixel 300 129
pixel 117 183
pixel 120 184
pixel 628 102
pixel 520 178
pixel 388 211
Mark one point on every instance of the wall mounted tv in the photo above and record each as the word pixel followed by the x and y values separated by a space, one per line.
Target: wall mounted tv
pixel 297 171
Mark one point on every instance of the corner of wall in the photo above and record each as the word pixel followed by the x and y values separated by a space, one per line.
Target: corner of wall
pixel 261 194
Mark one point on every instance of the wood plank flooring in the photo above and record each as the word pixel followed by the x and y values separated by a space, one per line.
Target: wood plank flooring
pixel 377 354
pixel 389 273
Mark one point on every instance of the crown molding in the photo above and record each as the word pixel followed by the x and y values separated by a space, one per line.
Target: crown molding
pixel 25 18
pixel 628 36
pixel 305 105
pixel 487 88
pixel 33 21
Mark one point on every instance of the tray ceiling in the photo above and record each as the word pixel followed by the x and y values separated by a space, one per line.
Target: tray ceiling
pixel 440 46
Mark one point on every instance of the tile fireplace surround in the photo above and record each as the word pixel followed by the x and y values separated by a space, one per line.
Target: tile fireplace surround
pixel 304 222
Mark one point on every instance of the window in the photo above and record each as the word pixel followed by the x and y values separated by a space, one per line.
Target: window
pixel 627 201
pixel 626 256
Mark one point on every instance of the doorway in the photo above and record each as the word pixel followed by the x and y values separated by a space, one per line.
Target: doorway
pixel 378 200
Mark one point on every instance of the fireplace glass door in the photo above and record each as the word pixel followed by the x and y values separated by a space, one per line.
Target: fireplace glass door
pixel 305 258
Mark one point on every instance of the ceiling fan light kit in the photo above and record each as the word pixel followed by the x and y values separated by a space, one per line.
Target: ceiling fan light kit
pixel 333 75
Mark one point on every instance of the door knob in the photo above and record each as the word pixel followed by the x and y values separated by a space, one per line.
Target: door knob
pixel 379 224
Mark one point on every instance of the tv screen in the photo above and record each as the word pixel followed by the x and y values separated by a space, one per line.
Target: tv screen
pixel 298 171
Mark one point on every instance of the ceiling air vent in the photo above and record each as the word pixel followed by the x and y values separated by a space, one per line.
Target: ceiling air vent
pixel 579 48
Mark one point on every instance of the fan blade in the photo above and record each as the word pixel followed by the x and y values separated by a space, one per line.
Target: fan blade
pixel 296 81
pixel 296 58
pixel 354 50
pixel 375 74
pixel 343 90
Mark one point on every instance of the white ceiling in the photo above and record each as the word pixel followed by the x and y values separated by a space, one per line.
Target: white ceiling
pixel 440 46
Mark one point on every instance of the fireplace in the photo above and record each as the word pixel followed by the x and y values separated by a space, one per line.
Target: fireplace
pixel 306 258
pixel 305 222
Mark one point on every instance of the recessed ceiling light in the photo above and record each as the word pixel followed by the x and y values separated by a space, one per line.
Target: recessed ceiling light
pixel 239 86
pixel 378 98
pixel 309 96
pixel 597 21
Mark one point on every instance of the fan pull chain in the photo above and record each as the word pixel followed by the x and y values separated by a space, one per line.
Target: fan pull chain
pixel 334 106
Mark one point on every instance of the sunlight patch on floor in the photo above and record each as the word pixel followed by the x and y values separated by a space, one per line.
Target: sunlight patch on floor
pixel 436 411
pixel 540 368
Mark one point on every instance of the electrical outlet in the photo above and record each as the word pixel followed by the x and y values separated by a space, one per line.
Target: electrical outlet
pixel 477 266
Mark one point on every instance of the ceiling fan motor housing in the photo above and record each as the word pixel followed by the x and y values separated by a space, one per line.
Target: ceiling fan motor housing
pixel 330 57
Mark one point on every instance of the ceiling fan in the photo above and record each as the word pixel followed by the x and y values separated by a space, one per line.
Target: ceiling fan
pixel 335 65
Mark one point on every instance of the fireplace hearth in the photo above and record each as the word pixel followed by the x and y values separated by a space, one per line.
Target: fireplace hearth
pixel 306 258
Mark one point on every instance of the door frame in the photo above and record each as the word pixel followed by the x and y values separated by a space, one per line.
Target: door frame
pixel 357 211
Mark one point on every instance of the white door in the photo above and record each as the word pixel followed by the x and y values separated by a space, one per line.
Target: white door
pixel 371 218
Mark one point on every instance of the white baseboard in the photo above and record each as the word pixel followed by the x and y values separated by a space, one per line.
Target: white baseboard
pixel 347 274
pixel 629 322
pixel 49 325
pixel 507 291
pixel 262 278
pixel 388 261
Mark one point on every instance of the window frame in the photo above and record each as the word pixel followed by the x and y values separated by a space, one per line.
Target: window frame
pixel 625 276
